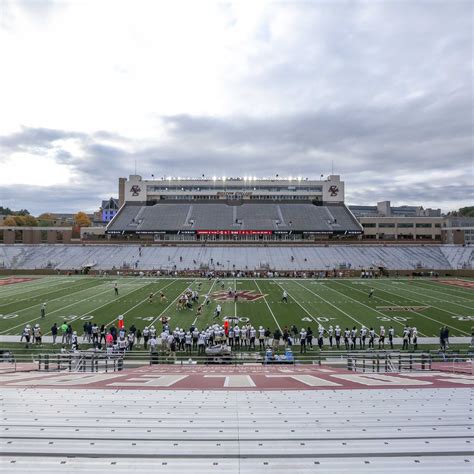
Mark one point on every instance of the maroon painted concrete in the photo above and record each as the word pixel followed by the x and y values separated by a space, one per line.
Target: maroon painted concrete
pixel 201 378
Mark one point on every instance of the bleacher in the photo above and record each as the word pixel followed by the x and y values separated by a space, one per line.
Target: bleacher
pixel 222 216
pixel 227 257
pixel 203 431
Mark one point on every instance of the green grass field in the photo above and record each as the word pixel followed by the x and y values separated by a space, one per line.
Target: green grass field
pixel 422 303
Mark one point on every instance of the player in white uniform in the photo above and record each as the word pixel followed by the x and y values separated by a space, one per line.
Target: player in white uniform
pixel 391 335
pixel 347 336
pixel 382 338
pixel 182 339
pixel 74 341
pixel 188 340
pixel 337 333
pixel 363 335
pixel 146 337
pixel 195 335
pixel 330 335
pixel 415 338
pixel 303 341
pixel 237 336
pixel 37 334
pixel 320 337
pixel 354 338
pixel 164 340
pixel 201 343
pixel 253 333
pixel 371 338
pixel 131 340
pixel 261 337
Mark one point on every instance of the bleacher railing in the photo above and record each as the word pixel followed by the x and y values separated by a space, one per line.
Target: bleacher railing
pixel 411 362
pixel 376 361
pixel 389 362
pixel 80 362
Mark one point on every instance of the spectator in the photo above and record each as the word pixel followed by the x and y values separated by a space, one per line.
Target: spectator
pixel 64 332
pixel 54 332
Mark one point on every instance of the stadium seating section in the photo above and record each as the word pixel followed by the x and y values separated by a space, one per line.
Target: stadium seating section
pixel 108 257
pixel 254 216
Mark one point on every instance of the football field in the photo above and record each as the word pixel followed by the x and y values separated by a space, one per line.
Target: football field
pixel 425 304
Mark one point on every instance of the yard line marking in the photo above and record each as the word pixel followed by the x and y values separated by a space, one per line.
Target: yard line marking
pixel 447 294
pixel 301 306
pixel 142 301
pixel 433 297
pixel 328 302
pixel 42 283
pixel 41 297
pixel 268 306
pixel 235 300
pixel 107 303
pixel 450 289
pixel 61 298
pixel 208 293
pixel 427 317
pixel 381 299
pixel 56 310
pixel 166 309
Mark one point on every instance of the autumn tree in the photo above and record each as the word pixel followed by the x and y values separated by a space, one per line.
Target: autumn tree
pixel 30 221
pixel 9 221
pixel 82 220
pixel 20 220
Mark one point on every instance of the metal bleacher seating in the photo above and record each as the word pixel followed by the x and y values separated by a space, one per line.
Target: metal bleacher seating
pixel 222 216
pixel 108 257
pixel 121 431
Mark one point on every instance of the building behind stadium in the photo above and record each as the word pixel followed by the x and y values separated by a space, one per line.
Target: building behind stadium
pixel 247 209
pixel 233 209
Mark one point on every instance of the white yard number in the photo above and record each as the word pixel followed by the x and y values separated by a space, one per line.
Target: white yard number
pixel 399 319
pixel 463 318
pixel 8 316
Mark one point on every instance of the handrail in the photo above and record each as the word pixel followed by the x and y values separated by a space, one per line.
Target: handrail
pixel 377 361
pixel 389 362
pixel 80 362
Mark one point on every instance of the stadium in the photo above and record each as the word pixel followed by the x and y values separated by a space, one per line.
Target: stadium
pixel 236 325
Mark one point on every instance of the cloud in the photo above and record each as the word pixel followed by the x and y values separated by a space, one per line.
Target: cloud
pixel 379 91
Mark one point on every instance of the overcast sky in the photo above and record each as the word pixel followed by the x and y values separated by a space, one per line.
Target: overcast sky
pixel 381 89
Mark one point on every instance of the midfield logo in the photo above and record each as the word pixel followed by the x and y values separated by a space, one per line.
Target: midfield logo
pixel 247 295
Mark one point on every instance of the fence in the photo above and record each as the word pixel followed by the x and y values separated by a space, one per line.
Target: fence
pixel 80 362
pixel 376 361
pixel 389 362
